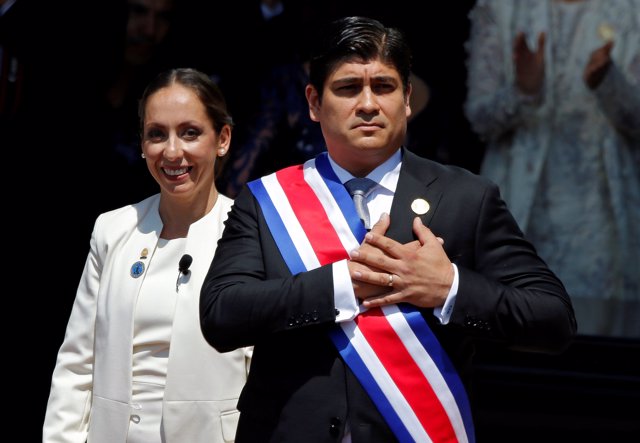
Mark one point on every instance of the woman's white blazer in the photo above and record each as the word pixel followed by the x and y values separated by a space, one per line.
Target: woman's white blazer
pixel 90 397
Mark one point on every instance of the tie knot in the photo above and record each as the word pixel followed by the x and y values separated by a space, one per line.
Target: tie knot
pixel 360 186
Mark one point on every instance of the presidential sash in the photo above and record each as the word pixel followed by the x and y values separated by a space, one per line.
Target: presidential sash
pixel 391 350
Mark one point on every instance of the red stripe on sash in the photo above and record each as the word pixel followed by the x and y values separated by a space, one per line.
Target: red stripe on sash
pixel 312 216
pixel 407 376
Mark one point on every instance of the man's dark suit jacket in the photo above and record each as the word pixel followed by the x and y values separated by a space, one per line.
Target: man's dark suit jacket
pixel 299 389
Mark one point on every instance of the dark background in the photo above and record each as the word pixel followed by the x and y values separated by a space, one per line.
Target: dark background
pixel 58 180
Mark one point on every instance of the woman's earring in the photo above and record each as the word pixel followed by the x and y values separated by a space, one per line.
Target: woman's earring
pixel 221 152
pixel 142 155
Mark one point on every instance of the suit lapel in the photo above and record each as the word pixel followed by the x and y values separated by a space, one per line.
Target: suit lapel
pixel 415 182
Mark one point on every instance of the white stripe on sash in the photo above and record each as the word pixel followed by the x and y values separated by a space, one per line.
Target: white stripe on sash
pixel 335 214
pixel 386 384
pixel 398 322
pixel 290 220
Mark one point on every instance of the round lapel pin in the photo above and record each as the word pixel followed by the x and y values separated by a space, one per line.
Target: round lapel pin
pixel 420 206
pixel 137 269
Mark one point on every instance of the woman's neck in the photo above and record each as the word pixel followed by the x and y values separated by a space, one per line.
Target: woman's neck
pixel 177 214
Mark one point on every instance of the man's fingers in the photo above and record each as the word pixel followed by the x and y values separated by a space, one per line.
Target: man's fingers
pixel 382 224
pixel 387 245
pixel 370 256
pixel 382 300
pixel 423 233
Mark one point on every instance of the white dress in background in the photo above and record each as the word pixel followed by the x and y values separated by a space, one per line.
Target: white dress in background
pixel 568 161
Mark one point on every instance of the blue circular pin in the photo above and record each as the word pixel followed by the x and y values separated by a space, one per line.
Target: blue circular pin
pixel 137 269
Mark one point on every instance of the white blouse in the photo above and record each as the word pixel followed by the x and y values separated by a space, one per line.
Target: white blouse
pixel 154 310
pixel 153 321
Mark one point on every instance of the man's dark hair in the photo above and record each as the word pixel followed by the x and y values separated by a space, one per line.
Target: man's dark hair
pixel 360 39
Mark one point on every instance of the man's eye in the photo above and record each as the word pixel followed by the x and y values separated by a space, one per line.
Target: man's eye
pixel 384 88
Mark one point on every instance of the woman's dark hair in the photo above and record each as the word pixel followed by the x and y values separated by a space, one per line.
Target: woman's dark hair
pixel 360 39
pixel 206 90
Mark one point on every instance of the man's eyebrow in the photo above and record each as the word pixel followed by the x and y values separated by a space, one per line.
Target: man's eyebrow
pixel 356 79
pixel 348 79
pixel 385 78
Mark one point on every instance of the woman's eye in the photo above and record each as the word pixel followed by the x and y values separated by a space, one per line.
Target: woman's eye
pixel 154 135
pixel 191 133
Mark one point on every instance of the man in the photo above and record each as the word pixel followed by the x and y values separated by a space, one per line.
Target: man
pixel 351 341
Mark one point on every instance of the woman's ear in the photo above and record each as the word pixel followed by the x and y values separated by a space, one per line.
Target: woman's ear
pixel 225 140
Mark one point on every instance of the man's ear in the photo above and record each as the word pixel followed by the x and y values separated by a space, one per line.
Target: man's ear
pixel 313 98
pixel 408 100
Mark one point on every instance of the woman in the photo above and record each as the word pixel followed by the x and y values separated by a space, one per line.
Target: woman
pixel 554 88
pixel 134 366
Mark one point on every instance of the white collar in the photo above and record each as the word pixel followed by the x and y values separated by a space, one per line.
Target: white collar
pixel 386 174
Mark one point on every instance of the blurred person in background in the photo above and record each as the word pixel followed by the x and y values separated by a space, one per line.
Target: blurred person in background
pixel 554 90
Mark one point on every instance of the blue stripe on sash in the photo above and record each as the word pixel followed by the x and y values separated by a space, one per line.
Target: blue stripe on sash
pixel 341 196
pixel 429 341
pixel 369 384
pixel 278 230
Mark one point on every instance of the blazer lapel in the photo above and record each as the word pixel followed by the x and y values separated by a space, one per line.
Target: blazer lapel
pixel 143 240
pixel 414 184
pixel 114 321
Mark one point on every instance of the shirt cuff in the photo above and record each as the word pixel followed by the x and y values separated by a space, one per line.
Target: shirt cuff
pixel 344 298
pixel 443 313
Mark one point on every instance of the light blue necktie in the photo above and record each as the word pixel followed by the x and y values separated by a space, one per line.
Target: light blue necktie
pixel 360 188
